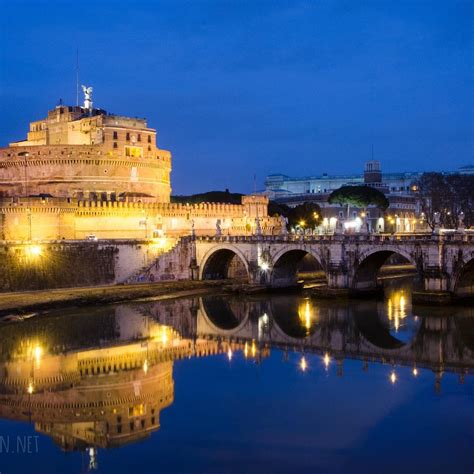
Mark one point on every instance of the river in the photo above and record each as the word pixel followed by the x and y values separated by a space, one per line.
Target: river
pixel 219 383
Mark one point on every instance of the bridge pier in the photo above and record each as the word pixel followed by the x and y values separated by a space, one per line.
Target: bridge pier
pixel 436 287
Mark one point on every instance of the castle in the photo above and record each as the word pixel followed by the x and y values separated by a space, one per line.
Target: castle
pixel 83 172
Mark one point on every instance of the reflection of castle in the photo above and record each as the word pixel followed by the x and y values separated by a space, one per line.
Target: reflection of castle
pixel 99 397
pixel 83 171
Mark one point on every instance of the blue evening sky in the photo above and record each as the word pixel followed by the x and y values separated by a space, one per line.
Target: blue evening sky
pixel 242 87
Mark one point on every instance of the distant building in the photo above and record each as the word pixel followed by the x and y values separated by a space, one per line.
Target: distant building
pixel 280 187
pixel 403 214
pixel 398 187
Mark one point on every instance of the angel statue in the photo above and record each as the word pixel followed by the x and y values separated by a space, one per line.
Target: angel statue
pixel 87 97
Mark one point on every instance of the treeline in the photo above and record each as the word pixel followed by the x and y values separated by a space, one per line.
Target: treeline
pixel 450 195
pixel 225 197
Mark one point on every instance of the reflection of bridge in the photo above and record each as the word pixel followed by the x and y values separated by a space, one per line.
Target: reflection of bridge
pixel 355 332
pixel 445 263
pixel 366 330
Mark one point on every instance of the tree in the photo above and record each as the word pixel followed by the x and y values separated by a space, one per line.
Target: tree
pixel 449 195
pixel 358 196
pixel 305 215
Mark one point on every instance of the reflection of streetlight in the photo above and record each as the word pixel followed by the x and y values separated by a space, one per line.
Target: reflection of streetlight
pixel 303 364
pixel 393 377
pixel 326 360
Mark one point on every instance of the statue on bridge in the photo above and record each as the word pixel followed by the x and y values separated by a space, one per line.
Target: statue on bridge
pixel 218 228
pixel 437 222
pixel 461 227
pixel 283 225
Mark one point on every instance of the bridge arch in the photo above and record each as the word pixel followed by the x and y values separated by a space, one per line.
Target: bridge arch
pixel 287 263
pixel 224 316
pixel 224 261
pixel 463 286
pixel 375 327
pixel 370 262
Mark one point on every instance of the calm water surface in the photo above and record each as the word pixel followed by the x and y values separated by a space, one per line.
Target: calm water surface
pixel 222 384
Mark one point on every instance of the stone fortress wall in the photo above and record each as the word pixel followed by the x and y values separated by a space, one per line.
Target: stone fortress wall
pixel 68 219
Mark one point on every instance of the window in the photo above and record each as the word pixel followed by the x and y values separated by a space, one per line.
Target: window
pixel 136 410
pixel 119 429
pixel 115 136
pixel 134 151
pixel 149 138
pixel 127 136
pixel 139 138
pixel 115 144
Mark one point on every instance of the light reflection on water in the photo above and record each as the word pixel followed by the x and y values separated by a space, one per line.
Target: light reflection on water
pixel 98 378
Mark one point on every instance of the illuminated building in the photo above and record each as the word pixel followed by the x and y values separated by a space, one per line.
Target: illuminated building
pixel 83 172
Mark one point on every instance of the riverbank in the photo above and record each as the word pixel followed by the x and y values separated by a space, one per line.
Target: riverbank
pixel 25 301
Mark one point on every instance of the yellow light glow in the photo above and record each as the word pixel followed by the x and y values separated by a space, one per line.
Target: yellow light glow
pixel 393 377
pixel 415 371
pixel 254 349
pixel 397 309
pixel 303 364
pixel 37 352
pixel 246 350
pixel 229 354
pixel 30 388
pixel 34 250
pixel 302 223
pixel 159 242
pixel 145 366
pixel 326 360
pixel 164 336
pixel 363 214
pixel 264 266
pixel 306 314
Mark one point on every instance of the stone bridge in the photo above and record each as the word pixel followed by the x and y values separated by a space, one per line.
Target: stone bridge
pixel 444 263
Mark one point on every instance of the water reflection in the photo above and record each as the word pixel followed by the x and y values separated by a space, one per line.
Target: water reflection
pixel 402 323
pixel 97 379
